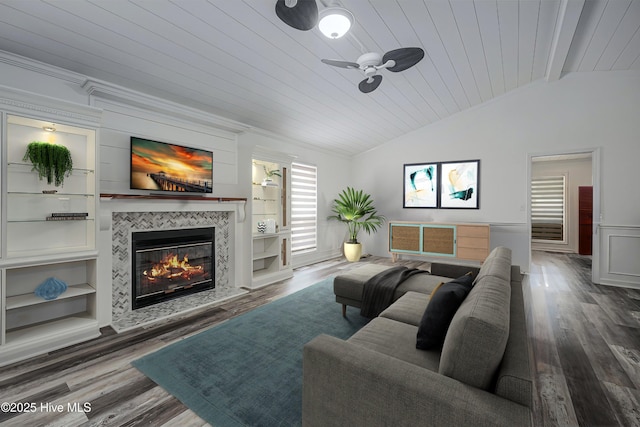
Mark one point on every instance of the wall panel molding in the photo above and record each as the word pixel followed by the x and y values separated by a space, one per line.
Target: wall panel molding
pixel 620 251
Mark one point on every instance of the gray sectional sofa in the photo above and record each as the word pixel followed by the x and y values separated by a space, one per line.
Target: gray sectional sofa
pixel 479 377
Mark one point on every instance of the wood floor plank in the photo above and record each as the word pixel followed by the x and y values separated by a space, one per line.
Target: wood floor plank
pixel 555 405
pixel 53 416
pixel 626 403
pixel 46 394
pixel 617 308
pixel 161 414
pixel 133 409
pixel 596 349
pixel 630 361
pixel 186 419
pixel 542 338
pixel 592 407
pixel 613 334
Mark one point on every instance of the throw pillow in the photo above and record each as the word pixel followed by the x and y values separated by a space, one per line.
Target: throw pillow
pixel 441 308
pixel 433 292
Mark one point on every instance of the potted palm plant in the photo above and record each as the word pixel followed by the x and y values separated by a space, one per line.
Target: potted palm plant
pixel 355 209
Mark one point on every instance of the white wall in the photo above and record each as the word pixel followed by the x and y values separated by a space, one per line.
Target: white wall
pixel 581 110
pixel 120 122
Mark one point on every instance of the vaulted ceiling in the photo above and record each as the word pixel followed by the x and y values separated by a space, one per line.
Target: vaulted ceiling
pixel 236 59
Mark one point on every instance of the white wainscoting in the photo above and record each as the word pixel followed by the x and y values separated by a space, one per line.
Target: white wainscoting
pixel 516 237
pixel 619 255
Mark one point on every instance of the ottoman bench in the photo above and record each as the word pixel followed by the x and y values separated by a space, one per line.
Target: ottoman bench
pixel 348 286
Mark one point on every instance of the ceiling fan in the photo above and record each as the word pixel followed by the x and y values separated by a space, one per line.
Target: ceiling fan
pixel 303 15
pixel 299 14
pixel 369 63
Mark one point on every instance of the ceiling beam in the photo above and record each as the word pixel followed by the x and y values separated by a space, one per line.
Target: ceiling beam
pixel 566 24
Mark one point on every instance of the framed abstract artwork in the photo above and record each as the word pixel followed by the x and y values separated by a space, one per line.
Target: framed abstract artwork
pixel 421 185
pixel 459 185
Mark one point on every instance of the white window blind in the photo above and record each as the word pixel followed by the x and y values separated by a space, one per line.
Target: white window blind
pixel 548 208
pixel 304 207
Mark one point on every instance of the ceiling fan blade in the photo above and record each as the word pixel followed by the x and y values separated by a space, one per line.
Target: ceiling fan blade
pixel 341 64
pixel 367 86
pixel 405 57
pixel 302 16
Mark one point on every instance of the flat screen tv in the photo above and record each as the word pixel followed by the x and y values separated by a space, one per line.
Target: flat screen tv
pixel 160 166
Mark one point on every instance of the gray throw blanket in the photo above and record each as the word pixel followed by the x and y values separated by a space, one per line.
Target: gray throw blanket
pixel 378 291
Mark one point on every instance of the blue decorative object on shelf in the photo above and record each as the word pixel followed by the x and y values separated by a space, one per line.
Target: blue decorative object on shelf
pixel 51 288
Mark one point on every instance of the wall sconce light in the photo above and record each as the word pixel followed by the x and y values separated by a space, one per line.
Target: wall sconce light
pixel 335 22
pixel 51 128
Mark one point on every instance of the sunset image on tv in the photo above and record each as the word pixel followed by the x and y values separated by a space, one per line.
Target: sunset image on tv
pixel 169 167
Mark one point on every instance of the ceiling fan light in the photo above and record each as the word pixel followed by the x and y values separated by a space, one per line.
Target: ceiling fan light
pixel 335 22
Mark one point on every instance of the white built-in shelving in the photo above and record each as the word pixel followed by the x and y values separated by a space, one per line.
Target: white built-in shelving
pixel 34 248
pixel 271 248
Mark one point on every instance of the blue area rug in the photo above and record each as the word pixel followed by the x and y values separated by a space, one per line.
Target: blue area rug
pixel 247 371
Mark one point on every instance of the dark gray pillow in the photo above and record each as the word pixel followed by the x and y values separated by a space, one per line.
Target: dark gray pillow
pixel 442 307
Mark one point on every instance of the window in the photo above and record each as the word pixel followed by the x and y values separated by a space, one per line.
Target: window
pixel 304 208
pixel 548 208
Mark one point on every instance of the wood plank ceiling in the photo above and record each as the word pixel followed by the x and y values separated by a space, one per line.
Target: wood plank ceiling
pixel 236 59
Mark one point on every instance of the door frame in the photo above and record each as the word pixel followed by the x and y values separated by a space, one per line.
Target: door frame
pixel 597 211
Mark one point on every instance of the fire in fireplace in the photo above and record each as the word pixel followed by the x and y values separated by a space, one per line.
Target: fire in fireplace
pixel 171 263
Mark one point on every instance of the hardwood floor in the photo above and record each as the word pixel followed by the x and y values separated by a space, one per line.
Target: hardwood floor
pixel 585 341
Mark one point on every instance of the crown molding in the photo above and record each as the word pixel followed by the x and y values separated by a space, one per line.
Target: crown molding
pixel 45 107
pixel 41 68
pixel 109 91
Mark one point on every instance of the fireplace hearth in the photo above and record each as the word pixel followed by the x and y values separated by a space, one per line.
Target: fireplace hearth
pixel 168 264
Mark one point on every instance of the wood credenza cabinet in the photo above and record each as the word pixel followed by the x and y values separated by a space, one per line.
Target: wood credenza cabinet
pixel 463 241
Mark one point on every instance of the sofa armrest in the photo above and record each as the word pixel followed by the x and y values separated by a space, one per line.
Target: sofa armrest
pixel 453 270
pixel 347 384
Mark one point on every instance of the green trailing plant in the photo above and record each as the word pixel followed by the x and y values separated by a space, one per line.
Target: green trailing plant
pixel 355 209
pixel 52 161
pixel 271 172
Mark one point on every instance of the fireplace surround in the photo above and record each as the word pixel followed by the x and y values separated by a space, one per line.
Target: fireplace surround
pixel 122 218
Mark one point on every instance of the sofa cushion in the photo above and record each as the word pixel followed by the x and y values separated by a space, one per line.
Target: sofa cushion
pixel 408 309
pixel 349 284
pixel 423 283
pixel 475 342
pixel 395 339
pixel 498 264
pixel 513 380
pixel 442 306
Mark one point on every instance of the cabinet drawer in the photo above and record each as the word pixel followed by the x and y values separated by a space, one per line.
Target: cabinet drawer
pixel 473 231
pixel 473 254
pixel 473 242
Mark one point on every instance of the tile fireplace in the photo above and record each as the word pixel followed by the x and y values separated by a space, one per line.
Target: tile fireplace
pixel 125 218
